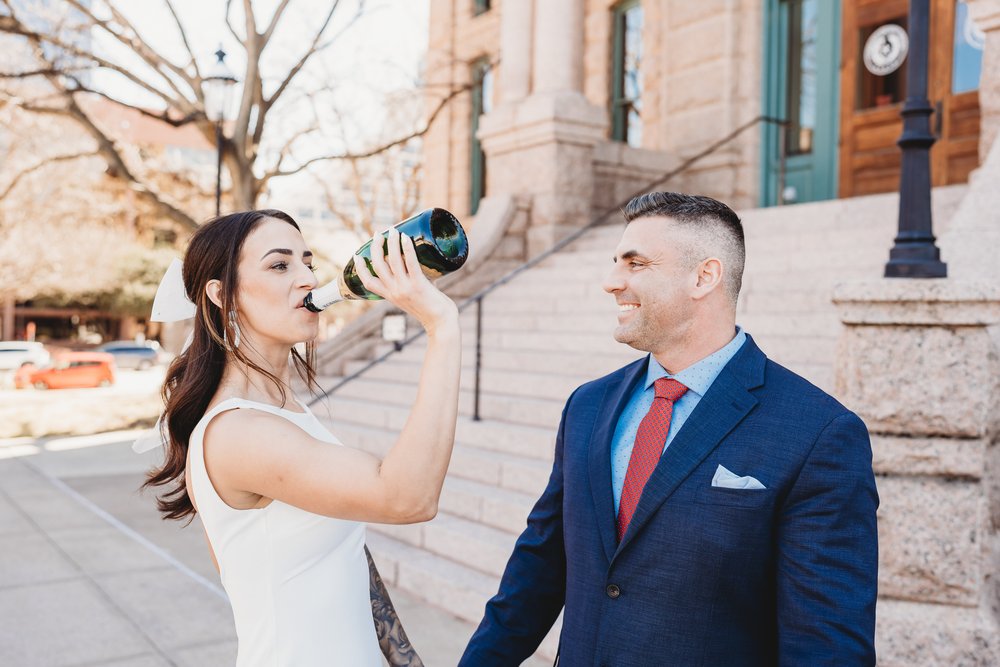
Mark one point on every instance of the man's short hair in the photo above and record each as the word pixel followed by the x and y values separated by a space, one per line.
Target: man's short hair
pixel 718 230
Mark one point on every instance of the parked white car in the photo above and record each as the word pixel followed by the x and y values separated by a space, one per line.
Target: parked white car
pixel 15 353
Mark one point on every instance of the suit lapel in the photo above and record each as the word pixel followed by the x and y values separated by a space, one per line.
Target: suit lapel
pixel 616 396
pixel 724 406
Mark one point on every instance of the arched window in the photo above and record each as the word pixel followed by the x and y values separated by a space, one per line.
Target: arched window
pixel 482 103
pixel 626 93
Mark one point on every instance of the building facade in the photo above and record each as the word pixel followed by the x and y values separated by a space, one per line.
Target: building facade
pixel 665 79
pixel 572 106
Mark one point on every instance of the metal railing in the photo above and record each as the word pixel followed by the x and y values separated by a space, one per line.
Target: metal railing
pixel 599 220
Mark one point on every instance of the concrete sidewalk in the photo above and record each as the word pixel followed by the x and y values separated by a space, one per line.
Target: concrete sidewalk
pixel 89 574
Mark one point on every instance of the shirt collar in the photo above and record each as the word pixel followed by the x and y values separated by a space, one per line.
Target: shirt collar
pixel 698 377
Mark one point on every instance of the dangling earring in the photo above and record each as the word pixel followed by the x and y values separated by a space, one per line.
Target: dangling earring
pixel 236 332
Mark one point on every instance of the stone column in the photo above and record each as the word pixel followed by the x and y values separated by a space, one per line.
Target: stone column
pixel 515 50
pixel 540 149
pixel 558 58
pixel 918 364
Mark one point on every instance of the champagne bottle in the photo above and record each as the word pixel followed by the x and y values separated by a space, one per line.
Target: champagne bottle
pixel 441 245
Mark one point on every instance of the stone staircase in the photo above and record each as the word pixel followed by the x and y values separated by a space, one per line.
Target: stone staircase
pixel 550 330
pixel 539 344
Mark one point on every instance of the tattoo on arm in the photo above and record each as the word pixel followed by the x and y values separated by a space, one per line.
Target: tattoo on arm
pixel 392 638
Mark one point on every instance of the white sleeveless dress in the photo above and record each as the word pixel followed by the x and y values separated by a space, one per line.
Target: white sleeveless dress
pixel 297 581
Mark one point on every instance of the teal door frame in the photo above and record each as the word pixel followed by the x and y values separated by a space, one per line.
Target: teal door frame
pixel 814 174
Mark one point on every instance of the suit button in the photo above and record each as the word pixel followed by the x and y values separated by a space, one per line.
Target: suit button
pixel 613 591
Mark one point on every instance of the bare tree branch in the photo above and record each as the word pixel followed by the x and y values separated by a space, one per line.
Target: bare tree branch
pixel 258 129
pixel 232 30
pixel 116 162
pixel 18 27
pixel 252 74
pixel 107 150
pixel 163 116
pixel 44 163
pixel 266 37
pixel 184 38
pixel 155 60
pixel 385 146
pixel 313 48
pixel 250 18
pixel 137 44
pixel 284 152
pixel 27 74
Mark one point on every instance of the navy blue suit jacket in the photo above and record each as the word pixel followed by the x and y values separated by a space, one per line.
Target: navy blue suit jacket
pixel 705 575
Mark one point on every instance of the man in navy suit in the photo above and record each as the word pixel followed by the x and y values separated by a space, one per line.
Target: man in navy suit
pixel 706 506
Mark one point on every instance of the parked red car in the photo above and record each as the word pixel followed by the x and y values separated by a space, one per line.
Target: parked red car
pixel 70 369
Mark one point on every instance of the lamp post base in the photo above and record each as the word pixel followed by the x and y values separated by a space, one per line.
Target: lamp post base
pixel 915 260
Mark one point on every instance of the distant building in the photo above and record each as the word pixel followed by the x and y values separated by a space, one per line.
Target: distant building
pixel 179 155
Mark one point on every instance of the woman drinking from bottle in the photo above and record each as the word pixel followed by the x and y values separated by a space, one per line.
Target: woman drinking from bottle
pixel 283 503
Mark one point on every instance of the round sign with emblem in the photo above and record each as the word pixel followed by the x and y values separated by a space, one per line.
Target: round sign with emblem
pixel 886 49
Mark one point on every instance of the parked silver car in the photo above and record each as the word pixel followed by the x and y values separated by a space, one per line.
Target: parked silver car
pixel 130 354
pixel 17 353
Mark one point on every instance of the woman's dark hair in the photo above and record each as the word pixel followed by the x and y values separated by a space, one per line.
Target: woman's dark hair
pixel 193 377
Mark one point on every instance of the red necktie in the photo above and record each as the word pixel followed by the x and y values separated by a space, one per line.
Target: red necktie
pixel 648 447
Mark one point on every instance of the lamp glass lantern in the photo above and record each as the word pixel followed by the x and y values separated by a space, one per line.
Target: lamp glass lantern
pixel 218 86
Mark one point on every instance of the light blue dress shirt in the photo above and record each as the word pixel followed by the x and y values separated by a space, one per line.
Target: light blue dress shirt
pixel 697 378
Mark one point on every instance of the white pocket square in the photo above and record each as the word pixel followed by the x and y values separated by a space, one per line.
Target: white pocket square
pixel 728 480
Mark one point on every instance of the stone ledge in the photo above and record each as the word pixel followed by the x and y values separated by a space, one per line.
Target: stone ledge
pixel 614 154
pixel 542 118
pixel 931 540
pixel 919 380
pixel 934 302
pixel 929 456
pixel 909 634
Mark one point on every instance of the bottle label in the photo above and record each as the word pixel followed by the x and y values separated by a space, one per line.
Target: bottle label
pixel 431 273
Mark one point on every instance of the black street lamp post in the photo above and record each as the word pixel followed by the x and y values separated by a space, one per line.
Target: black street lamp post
pixel 914 254
pixel 217 87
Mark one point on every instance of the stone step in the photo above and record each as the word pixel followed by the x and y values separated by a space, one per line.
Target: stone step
pixel 584 273
pixel 406 365
pixel 446 584
pixel 498 508
pixel 598 255
pixel 559 362
pixel 513 472
pixel 579 342
pixel 378 394
pixel 498 319
pixel 605 238
pixel 599 321
pixel 470 544
pixel 516 296
pixel 515 439
pixel 492 380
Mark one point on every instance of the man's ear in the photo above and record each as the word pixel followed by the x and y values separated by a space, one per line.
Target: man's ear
pixel 214 291
pixel 708 273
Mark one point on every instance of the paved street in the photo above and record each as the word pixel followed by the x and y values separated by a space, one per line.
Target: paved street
pixel 89 574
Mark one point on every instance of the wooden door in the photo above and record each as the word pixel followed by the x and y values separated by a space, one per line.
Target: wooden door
pixel 870 106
